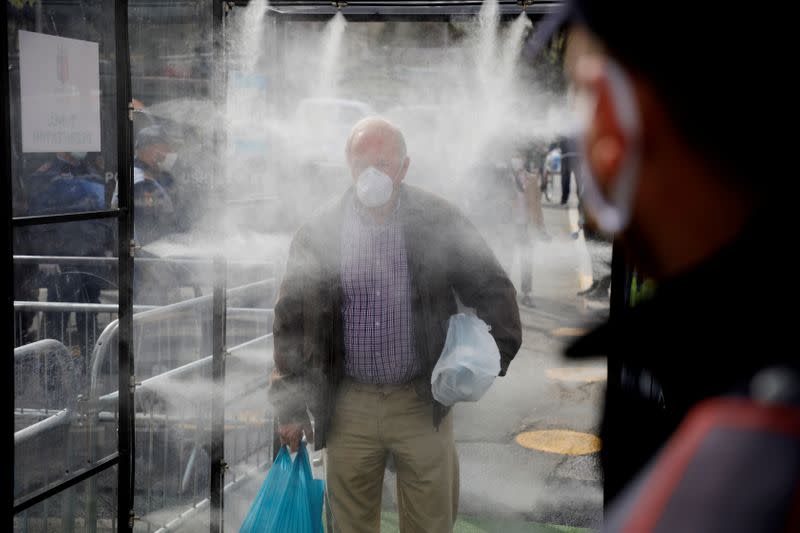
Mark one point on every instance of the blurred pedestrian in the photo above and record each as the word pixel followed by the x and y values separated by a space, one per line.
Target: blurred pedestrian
pixel 526 216
pixel 567 159
pixel 490 194
pixel 551 169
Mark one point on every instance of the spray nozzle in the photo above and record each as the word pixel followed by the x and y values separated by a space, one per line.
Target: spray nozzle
pixel 524 4
pixel 339 4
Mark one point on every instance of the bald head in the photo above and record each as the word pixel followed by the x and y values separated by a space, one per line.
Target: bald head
pixel 375 142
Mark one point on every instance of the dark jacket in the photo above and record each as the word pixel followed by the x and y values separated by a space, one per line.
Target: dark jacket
pixel 155 215
pixel 446 257
pixel 705 333
pixel 59 187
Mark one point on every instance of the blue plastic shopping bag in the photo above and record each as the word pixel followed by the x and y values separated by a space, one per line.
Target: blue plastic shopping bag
pixel 290 500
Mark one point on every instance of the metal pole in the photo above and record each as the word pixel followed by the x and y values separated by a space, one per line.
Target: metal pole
pixel 218 68
pixel 7 291
pixel 219 83
pixel 150 437
pixel 39 17
pixel 125 444
pixel 218 465
pixel 276 439
pixel 68 511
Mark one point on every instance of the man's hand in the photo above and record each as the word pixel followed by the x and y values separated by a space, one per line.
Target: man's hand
pixel 291 434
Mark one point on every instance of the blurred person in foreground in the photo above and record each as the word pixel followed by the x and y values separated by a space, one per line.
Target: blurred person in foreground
pixel 526 213
pixel 667 110
pixel 360 322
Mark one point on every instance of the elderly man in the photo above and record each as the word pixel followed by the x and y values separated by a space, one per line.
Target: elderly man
pixel 360 322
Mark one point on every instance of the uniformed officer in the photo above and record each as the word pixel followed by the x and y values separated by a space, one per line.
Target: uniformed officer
pixel 153 186
pixel 67 183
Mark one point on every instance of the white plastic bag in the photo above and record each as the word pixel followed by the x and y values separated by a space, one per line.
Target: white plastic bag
pixel 469 363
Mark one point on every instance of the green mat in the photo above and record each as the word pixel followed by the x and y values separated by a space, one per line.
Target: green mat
pixel 390 524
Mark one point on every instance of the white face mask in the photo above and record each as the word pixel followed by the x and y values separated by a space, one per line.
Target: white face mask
pixel 168 162
pixel 612 212
pixel 80 156
pixel 517 163
pixel 374 188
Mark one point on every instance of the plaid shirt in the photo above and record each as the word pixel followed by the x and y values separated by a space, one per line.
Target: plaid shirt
pixel 378 323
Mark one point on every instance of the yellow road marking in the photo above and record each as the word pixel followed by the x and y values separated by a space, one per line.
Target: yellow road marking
pixel 570 332
pixel 560 441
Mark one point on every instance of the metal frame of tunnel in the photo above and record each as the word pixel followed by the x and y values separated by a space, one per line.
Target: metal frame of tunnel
pixel 123 457
pixel 7 290
pixel 401 10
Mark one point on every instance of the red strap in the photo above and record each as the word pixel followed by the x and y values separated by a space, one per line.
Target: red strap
pixel 730 413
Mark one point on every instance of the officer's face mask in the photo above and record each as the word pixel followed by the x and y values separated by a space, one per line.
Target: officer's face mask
pixel 611 209
pixel 80 156
pixel 374 188
pixel 168 162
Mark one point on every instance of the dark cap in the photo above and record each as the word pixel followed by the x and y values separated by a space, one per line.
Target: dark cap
pixel 663 34
pixel 713 65
pixel 151 135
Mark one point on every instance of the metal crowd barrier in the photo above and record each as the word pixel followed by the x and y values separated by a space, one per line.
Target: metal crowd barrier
pixel 47 398
pixel 77 323
pixel 173 432
pixel 172 405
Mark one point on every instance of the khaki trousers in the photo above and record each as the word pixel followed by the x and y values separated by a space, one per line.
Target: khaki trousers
pixel 370 422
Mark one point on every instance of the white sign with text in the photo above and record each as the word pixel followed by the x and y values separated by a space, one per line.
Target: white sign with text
pixel 60 93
